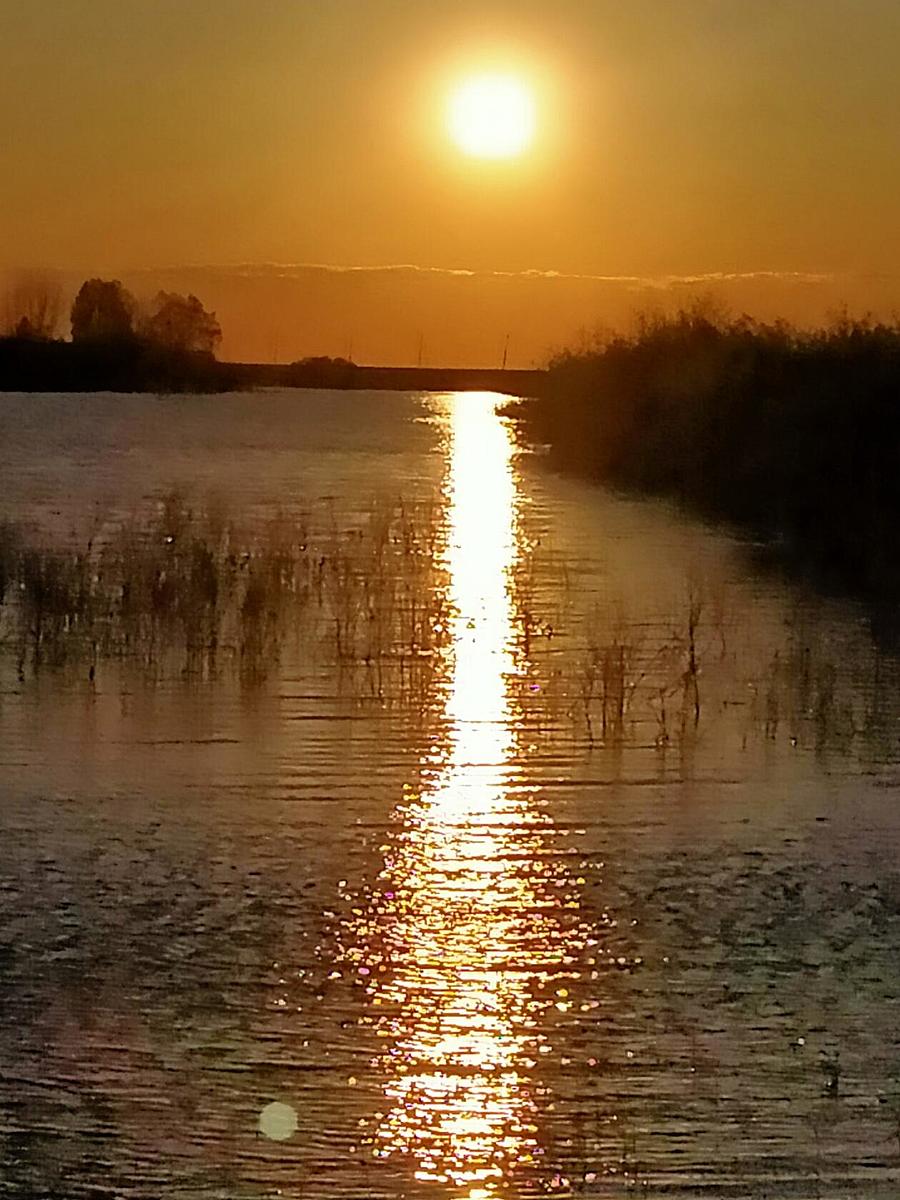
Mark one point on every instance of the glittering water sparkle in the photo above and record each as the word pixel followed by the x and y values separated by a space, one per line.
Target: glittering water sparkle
pixel 464 921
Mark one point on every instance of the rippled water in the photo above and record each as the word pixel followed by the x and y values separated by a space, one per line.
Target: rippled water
pixel 553 851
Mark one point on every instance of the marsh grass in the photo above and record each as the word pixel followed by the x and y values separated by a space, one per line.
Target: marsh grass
pixel 612 677
pixel 606 674
pixel 628 680
pixel 792 433
pixel 186 591
pixel 181 584
pixel 384 587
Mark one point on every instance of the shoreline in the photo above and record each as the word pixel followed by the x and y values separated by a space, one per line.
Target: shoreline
pixel 340 376
pixel 130 365
pixel 789 435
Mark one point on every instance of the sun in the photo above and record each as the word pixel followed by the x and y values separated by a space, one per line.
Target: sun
pixel 492 116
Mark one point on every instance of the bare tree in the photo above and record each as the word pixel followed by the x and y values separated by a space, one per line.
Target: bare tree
pixel 33 305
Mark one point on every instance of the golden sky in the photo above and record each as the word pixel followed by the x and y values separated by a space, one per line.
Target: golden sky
pixel 675 138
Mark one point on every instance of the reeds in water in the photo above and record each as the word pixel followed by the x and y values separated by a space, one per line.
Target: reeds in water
pixel 186 590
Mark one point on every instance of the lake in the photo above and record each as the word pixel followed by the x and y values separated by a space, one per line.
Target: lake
pixel 384 815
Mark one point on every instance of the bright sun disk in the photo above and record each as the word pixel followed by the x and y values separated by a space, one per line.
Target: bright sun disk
pixel 492 116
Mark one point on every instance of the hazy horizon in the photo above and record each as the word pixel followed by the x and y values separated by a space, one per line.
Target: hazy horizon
pixel 748 150
pixel 403 314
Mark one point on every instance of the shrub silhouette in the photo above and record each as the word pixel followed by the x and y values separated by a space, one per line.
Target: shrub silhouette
pixel 182 323
pixel 795 434
pixel 103 311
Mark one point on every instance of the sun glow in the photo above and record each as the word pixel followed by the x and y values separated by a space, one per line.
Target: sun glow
pixel 492 116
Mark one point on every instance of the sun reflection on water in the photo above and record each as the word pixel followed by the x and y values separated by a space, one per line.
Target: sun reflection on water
pixel 464 926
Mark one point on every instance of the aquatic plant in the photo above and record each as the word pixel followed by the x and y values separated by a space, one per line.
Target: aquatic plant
pixel 184 589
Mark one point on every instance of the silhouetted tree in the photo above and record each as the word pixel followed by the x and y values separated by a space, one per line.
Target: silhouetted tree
pixel 103 311
pixel 32 306
pixel 182 323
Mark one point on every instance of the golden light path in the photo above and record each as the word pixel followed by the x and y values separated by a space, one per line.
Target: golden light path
pixel 464 929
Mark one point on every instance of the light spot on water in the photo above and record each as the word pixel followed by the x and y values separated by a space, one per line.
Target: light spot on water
pixel 278 1121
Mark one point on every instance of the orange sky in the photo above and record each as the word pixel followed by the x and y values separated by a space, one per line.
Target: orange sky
pixel 753 139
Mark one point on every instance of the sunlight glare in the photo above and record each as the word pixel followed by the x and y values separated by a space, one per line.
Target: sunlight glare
pixel 492 116
pixel 462 912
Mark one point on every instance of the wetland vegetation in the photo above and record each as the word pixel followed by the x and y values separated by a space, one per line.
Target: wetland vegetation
pixel 188 590
pixel 794 434
pixel 117 344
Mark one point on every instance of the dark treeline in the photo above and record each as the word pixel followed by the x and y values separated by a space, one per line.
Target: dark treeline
pixel 116 344
pixel 792 434
pixel 341 373
pixel 129 365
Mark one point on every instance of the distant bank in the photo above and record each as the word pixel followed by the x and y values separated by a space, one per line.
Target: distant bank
pixel 131 364
pixel 335 373
pixel 792 434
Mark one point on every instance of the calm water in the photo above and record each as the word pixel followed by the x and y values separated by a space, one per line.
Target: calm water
pixel 547 848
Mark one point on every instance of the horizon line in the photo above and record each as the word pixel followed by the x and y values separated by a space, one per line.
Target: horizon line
pixel 658 282
pixel 661 281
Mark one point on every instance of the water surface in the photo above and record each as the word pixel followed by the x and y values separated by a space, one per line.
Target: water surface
pixel 549 848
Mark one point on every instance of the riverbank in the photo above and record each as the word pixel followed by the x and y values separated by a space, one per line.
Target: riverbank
pixel 343 375
pixel 131 365
pixel 127 364
pixel 792 435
